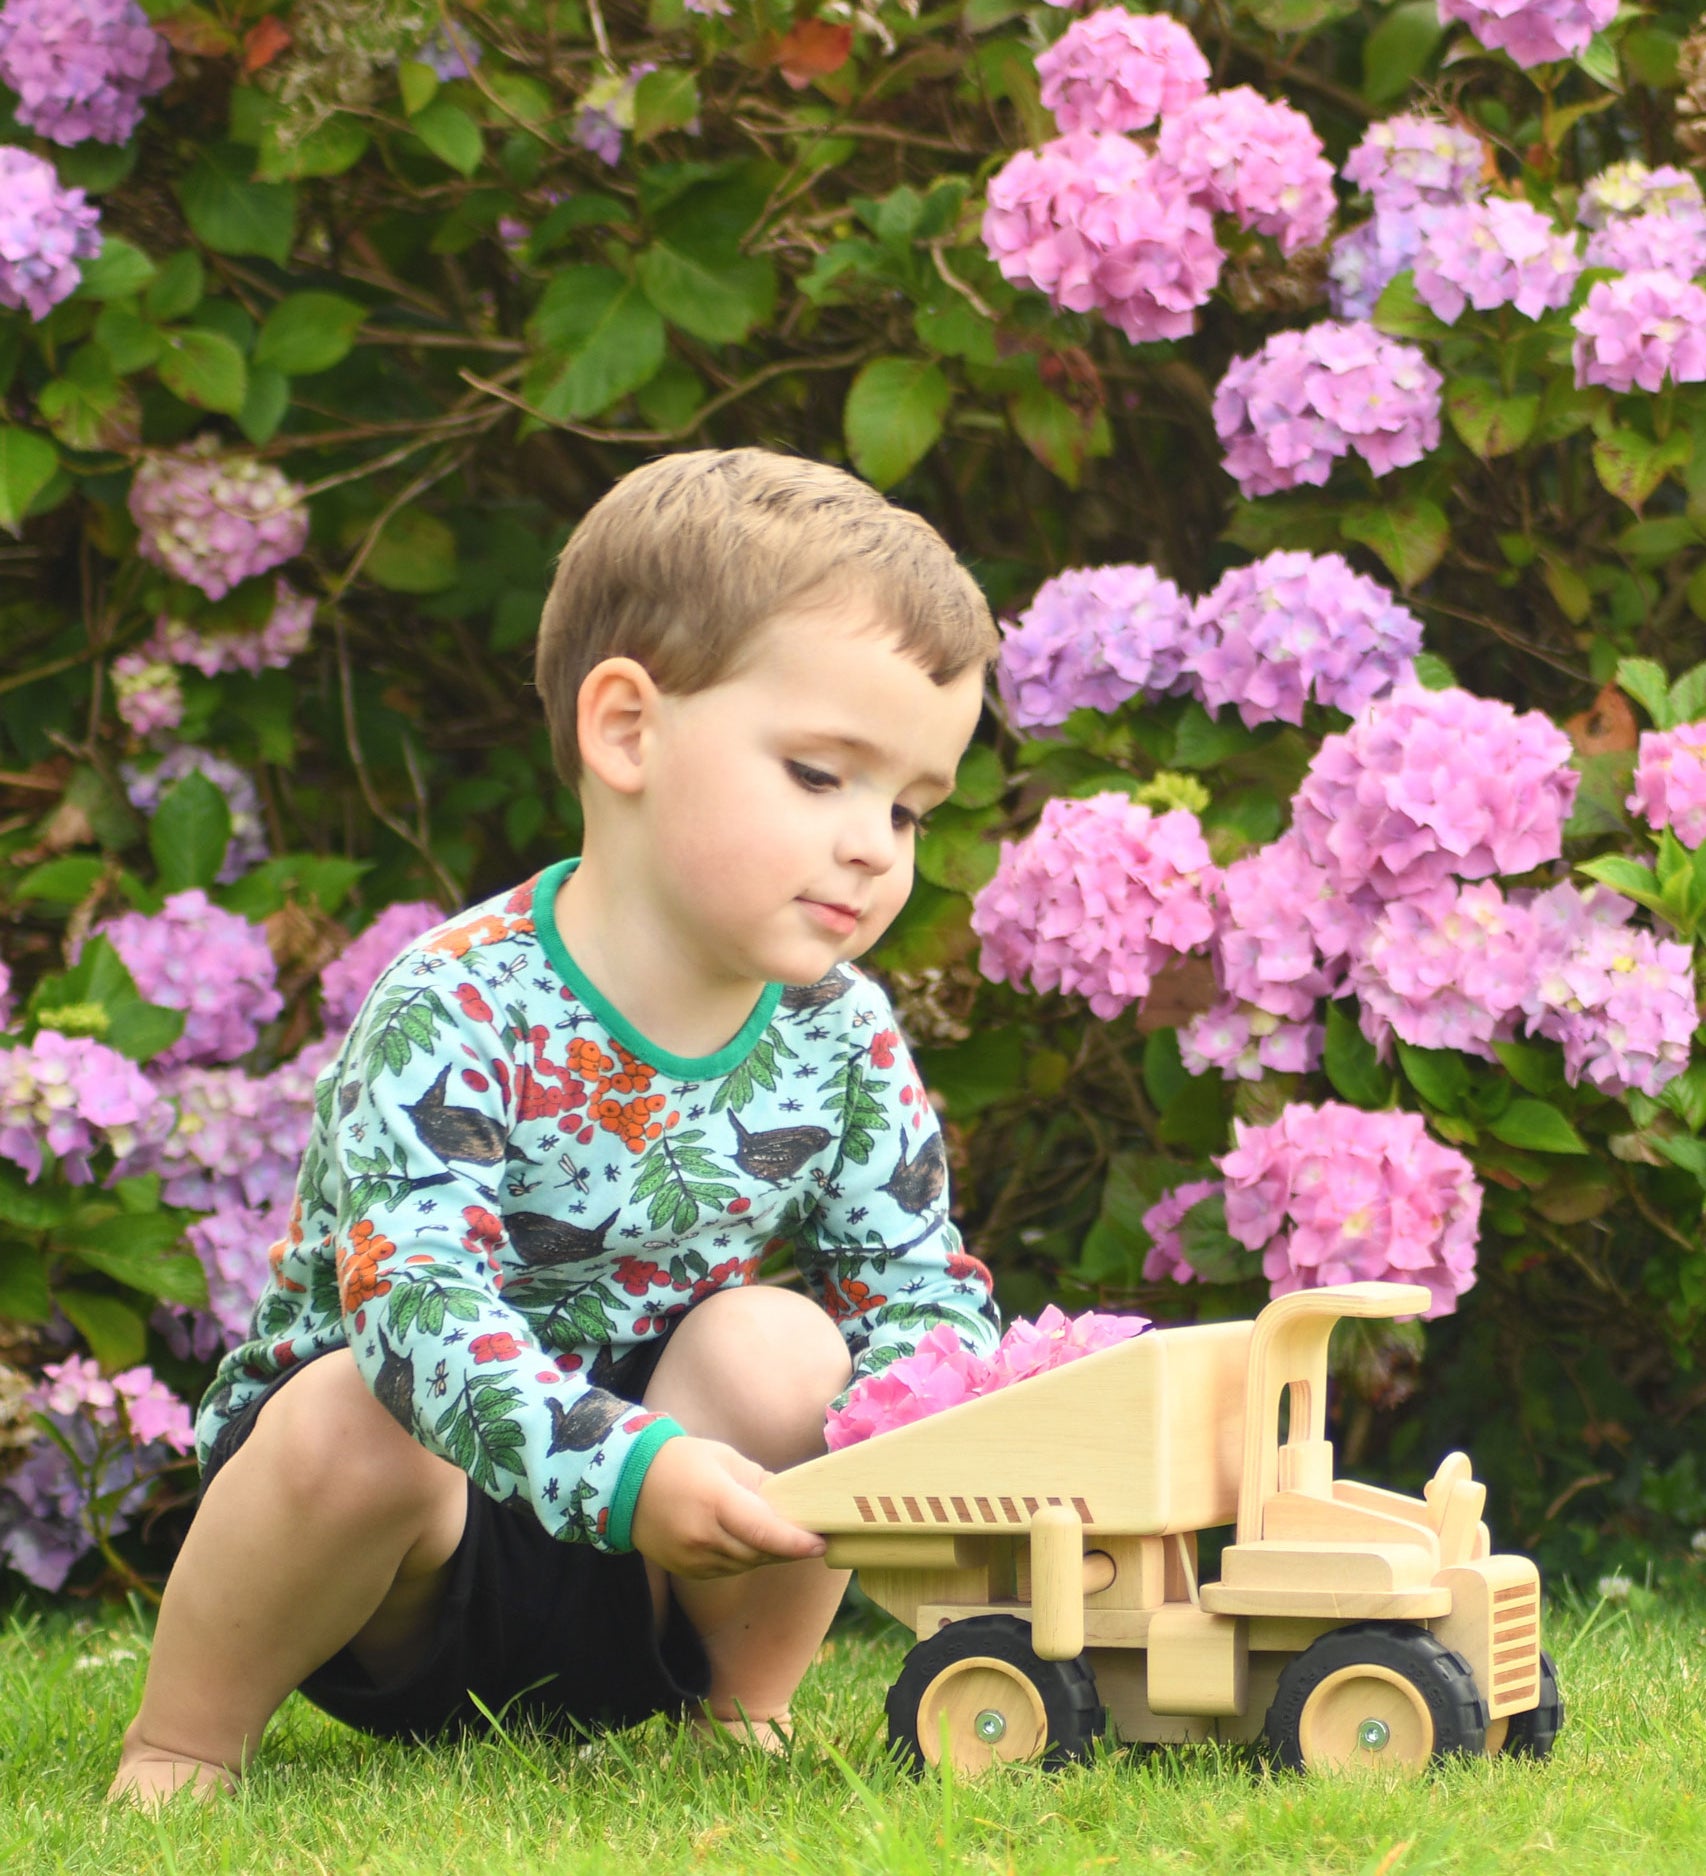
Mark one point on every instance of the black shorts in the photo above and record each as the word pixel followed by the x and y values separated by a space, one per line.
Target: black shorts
pixel 541 1631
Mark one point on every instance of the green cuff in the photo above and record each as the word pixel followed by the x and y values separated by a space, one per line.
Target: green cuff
pixel 619 1527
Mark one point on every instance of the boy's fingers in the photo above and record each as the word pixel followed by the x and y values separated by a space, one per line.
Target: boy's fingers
pixel 752 1524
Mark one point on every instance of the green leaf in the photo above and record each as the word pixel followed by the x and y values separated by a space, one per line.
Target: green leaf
pixel 1492 425
pixel 955 854
pixel 1644 679
pixel 451 135
pixel 27 463
pixel 1433 673
pixel 41 1206
pixel 1204 742
pixel 415 553
pixel 719 301
pixel 610 336
pixel 1537 1070
pixel 988 1067
pixel 327 150
pixel 1352 1065
pixel 1538 1126
pixel 24 1292
pixel 665 100
pixel 64 881
pixel 206 369
pixel 1297 16
pixel 980 782
pixel 118 271
pixel 1058 433
pixel 1410 536
pixel 116 1334
pixel 1631 466
pixel 1681 1151
pixel 263 409
pixel 309 332
pixel 232 213
pixel 177 288
pixel 1685 1096
pixel 417 85
pixel 1394 54
pixel 1626 876
pixel 140 1252
pixel 1439 1076
pixel 1567 587
pixel 1400 312
pixel 189 833
pixel 1598 58
pixel 99 987
pixel 126 340
pixel 894 413
pixel 1688 697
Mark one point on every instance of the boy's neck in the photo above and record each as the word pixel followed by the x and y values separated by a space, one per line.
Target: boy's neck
pixel 639 967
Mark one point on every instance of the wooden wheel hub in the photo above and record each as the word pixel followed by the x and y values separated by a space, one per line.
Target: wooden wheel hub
pixel 1367 1717
pixel 987 1711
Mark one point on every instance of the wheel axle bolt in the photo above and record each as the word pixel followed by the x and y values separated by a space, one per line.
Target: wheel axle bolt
pixel 990 1726
pixel 1372 1735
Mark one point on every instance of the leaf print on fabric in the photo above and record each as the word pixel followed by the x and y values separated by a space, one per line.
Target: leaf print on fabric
pixel 739 1086
pixel 433 1292
pixel 680 1178
pixel 380 1181
pixel 564 1311
pixel 479 1431
pixel 857 1113
pixel 406 1020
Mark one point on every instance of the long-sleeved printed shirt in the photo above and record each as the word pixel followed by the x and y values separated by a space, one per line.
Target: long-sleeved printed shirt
pixel 507 1188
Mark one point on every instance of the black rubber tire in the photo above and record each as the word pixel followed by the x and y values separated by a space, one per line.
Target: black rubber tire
pixel 1067 1689
pixel 1441 1676
pixel 1533 1734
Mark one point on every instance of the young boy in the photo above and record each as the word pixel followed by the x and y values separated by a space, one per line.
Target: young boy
pixel 497 1439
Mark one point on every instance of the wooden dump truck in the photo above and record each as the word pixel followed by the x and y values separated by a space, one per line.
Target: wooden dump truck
pixel 1041 1542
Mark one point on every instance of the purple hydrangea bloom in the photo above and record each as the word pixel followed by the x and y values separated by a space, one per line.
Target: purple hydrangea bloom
pixel 214 519
pixel 606 113
pixel 1098 224
pixel 1166 1259
pixel 1091 638
pixel 233 1245
pixel 73 1097
pixel 150 698
pixel 145 786
pixel 1533 32
pixel 1332 1194
pixel 1495 253
pixel 1410 161
pixel 450 58
pixel 1255 158
pixel 1366 259
pixel 1670 781
pixel 1622 191
pixel 1244 1043
pixel 1097 898
pixel 281 639
pixel 1434 784
pixel 1281 935
pixel 5 994
pixel 1638 330
pixel 1119 71
pixel 1655 243
pixel 1446 969
pixel 81 68
pixel 350 975
pixel 214 966
pixel 1288 412
pixel 1294 627
pixel 45 230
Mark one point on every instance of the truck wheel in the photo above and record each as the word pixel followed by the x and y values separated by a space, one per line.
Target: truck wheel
pixel 980 1688
pixel 1533 1734
pixel 1372 1695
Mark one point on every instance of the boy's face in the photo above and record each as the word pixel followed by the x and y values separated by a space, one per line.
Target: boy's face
pixel 781 805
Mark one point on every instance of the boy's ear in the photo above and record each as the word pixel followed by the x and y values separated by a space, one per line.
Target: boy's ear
pixel 615 708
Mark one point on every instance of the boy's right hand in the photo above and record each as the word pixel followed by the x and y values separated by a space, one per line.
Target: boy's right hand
pixel 699 1513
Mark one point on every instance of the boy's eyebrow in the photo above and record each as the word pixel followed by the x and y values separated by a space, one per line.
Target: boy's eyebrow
pixel 861 746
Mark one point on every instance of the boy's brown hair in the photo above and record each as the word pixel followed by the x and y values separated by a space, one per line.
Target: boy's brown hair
pixel 680 563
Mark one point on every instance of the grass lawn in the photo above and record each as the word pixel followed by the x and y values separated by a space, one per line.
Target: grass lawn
pixel 1623 1792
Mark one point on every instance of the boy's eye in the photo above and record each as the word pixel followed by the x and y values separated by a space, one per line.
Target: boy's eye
pixel 819 781
pixel 908 822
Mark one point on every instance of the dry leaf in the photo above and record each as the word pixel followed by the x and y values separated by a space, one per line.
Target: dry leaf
pixel 813 49
pixel 1606 726
pixel 264 41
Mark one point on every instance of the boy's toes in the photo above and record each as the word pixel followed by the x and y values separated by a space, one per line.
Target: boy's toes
pixel 149 1778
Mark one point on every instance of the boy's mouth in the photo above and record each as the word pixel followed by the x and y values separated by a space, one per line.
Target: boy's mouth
pixel 840 919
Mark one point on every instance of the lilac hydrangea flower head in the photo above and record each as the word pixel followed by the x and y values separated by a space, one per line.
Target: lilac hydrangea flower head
pixel 606 112
pixel 1640 329
pixel 1119 71
pixel 1294 627
pixel 1092 638
pixel 73 1097
pixel 214 519
pixel 239 1138
pixel 1096 899
pixel 1495 253
pixel 45 230
pixel 1279 945
pixel 150 697
pixel 144 788
pixel 1428 785
pixel 1255 158
pixel 284 636
pixel 1622 191
pixel 1285 414
pixel 214 966
pixel 1166 1259
pixel 5 995
pixel 232 1244
pixel 1332 1194
pixel 1409 161
pixel 1446 969
pixel 1670 782
pixel 81 68
pixel 1533 32
pixel 1243 1043
pixel 450 58
pixel 1366 259
pixel 1654 243
pixel 350 975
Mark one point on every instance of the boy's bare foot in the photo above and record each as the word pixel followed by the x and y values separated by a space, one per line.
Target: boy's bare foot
pixel 148 1776
pixel 769 1735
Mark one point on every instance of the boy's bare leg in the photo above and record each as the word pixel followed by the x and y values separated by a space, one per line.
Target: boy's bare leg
pixel 755 1368
pixel 330 1525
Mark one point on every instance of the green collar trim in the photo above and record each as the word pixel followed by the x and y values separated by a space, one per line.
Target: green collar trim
pixel 683 1067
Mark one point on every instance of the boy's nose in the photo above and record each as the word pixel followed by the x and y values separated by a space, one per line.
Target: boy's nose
pixel 868 838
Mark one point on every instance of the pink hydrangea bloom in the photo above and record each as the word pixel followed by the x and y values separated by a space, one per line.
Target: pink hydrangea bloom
pixel 1495 253
pixel 81 68
pixel 1054 1339
pixel 1446 969
pixel 239 1138
pixel 1165 1261
pixel 45 230
pixel 283 637
pixel 150 697
pixel 1294 627
pixel 214 966
pixel 214 519
pixel 1286 414
pixel 151 1411
pixel 1119 71
pixel 1411 160
pixel 5 994
pixel 144 788
pixel 1533 32
pixel 1281 931
pixel 1332 1194
pixel 1670 781
pixel 1098 224
pixel 1255 158
pixel 1432 784
pixel 1638 330
pixel 1366 259
pixel 73 1096
pixel 1242 1042
pixel 1097 898
pixel 1666 244
pixel 355 970
pixel 1091 638
pixel 1627 190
